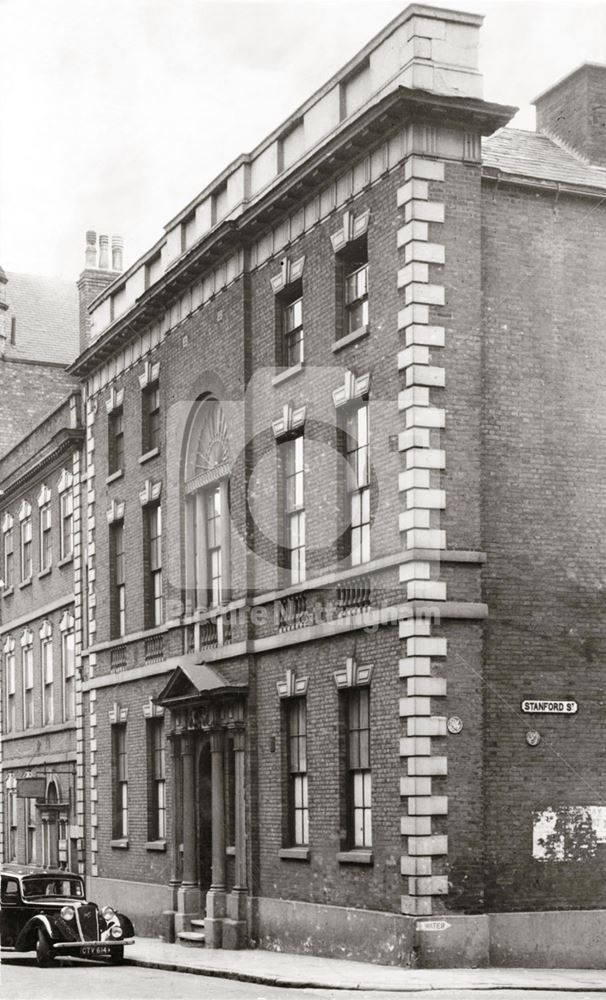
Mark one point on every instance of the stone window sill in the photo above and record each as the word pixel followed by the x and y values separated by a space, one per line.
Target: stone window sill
pixel 287 373
pixel 66 560
pixel 44 572
pixel 153 453
pixel 350 338
pixel 153 845
pixel 115 475
pixel 25 583
pixel 294 853
pixel 360 857
pixel 8 592
pixel 121 844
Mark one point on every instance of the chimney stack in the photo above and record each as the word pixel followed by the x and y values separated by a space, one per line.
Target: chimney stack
pixel 104 253
pixel 117 249
pixel 97 274
pixel 573 111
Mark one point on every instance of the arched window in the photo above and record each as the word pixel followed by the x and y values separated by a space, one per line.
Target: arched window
pixel 206 470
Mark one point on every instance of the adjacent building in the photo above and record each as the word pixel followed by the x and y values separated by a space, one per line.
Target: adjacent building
pixel 38 339
pixel 41 438
pixel 337 519
pixel 40 482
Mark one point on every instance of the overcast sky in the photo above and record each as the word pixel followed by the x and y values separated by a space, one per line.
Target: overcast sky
pixel 114 114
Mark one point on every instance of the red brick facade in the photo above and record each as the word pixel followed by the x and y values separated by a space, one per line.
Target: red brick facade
pixel 480 367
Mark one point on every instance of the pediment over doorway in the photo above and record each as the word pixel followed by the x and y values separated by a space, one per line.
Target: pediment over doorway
pixel 192 679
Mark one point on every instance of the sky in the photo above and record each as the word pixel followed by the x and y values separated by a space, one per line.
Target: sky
pixel 113 115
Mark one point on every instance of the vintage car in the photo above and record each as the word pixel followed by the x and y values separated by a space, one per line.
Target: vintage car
pixel 45 910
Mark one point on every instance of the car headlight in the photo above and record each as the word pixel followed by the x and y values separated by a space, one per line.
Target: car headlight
pixel 116 931
pixel 67 912
pixel 108 913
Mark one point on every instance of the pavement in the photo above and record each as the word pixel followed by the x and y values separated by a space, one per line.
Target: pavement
pixel 312 972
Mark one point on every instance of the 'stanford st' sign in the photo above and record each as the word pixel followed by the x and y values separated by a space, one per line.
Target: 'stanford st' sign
pixel 548 707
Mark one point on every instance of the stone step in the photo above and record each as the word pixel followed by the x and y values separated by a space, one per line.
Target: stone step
pixel 197 923
pixel 191 939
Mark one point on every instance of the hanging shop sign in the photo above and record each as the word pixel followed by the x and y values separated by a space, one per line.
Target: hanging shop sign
pixel 545 706
pixel 31 788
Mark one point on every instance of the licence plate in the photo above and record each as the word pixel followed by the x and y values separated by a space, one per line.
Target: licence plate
pixel 95 951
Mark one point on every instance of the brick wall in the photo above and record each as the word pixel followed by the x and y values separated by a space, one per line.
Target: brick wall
pixel 135 862
pixel 28 392
pixel 543 511
pixel 323 879
pixel 574 111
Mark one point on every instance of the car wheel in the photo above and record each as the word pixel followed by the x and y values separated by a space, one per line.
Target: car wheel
pixel 117 955
pixel 44 949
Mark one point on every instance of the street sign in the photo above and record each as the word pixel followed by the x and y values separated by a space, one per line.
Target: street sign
pixel 549 707
pixel 432 925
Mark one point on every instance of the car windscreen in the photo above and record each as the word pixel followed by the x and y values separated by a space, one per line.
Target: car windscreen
pixel 38 885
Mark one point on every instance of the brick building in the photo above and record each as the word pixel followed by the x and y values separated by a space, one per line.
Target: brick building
pixel 41 689
pixel 340 518
pixel 41 794
pixel 38 338
pixel 39 445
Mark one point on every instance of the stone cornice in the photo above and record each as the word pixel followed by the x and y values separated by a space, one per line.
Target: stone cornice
pixel 64 440
pixel 341 148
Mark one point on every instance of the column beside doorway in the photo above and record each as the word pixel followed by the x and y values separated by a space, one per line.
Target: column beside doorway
pixel 215 897
pixel 188 893
pixel 174 805
pixel 235 925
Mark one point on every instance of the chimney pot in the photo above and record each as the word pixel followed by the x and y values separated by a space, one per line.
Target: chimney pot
pixel 104 253
pixel 117 249
pixel 90 254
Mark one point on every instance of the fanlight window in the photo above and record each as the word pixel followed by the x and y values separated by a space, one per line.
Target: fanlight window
pixel 208 446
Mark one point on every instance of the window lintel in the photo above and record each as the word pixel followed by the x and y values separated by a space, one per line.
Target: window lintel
pixel 150 374
pixel 351 388
pixel 44 495
pixel 151 492
pixel 118 714
pixel 65 482
pixel 292 419
pixel 27 638
pixel 115 399
pixel 352 228
pixel 46 629
pixel 290 272
pixel 353 674
pixel 25 510
pixel 292 686
pixel 116 511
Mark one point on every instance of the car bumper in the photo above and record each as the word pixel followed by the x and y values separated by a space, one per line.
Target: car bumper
pixel 78 945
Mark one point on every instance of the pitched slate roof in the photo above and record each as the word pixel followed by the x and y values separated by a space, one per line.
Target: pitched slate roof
pixel 46 311
pixel 532 154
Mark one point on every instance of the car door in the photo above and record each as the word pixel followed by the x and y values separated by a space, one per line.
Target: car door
pixel 12 914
